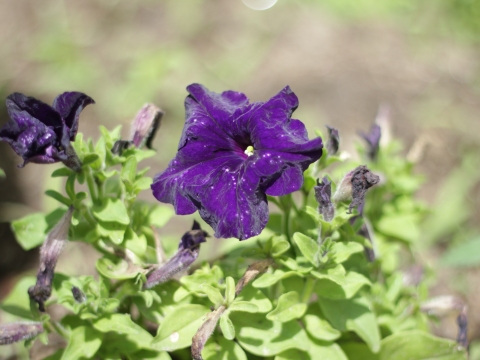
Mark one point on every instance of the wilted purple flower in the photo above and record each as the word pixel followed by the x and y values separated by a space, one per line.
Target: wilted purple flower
pixel 333 142
pixel 232 154
pixel 18 331
pixel 355 185
pixel 187 253
pixel 323 193
pixel 49 254
pixel 78 295
pixel 41 133
pixel 373 141
pixel 143 129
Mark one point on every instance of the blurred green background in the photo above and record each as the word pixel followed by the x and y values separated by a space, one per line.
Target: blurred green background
pixel 343 58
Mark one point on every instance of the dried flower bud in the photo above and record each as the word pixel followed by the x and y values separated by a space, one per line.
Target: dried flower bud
pixel 120 145
pixel 333 142
pixel 205 331
pixel 323 193
pixel 78 295
pixel 355 185
pixel 145 125
pixel 373 141
pixel 187 253
pixel 49 254
pixel 443 305
pixel 18 331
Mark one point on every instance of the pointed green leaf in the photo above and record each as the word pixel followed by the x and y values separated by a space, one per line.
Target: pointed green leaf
pixel 59 197
pixel 84 343
pixel 320 329
pixel 229 290
pixel 343 250
pixel 223 350
pixel 256 297
pixel 335 274
pixel 267 279
pixel 308 247
pixel 129 170
pixel 353 282
pixel 243 306
pixel 227 327
pixel 280 246
pixel 213 294
pixel 113 210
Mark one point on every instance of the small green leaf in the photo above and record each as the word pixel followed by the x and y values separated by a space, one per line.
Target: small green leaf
pixel 160 215
pixel 343 250
pixel 178 327
pixel 129 170
pixel 320 329
pixel 213 294
pixel 280 246
pixel 263 337
pixel 223 350
pixel 62 172
pixel 70 187
pixel 352 283
pixel 288 308
pixel 31 230
pixel 318 350
pixel 229 290
pixel 419 345
pixel 267 279
pixel 113 210
pixel 142 184
pixel 227 327
pixel 308 247
pixel 112 230
pixel 353 315
pixel 120 271
pixel 244 306
pixel 84 343
pixel 255 297
pixel 120 323
pixel 17 302
pixel 59 197
pixel 136 244
pixel 89 159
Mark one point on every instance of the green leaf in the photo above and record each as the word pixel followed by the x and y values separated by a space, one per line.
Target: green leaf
pixel 288 308
pixel 59 197
pixel 419 345
pixel 89 159
pixel 267 279
pixel 213 294
pixel 113 210
pixel 134 243
pixel 31 230
pixel 335 274
pixel 263 337
pixel 62 172
pixel 119 271
pixel 160 215
pixel 332 290
pixel 227 327
pixel 466 254
pixel 318 350
pixel 17 302
pixel 70 187
pixel 343 250
pixel 244 306
pixel 319 328
pixel 223 350
pixel 112 230
pixel 353 315
pixel 179 326
pixel 129 170
pixel 280 246
pixel 84 343
pixel 120 323
pixel 142 184
pixel 255 297
pixel 229 290
pixel 308 247
pixel 402 226
pixel 358 350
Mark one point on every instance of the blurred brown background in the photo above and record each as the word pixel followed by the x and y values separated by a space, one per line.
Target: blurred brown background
pixel 343 58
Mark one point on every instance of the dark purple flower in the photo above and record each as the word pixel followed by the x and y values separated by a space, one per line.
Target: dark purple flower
pixel 373 141
pixel 323 193
pixel 187 253
pixel 18 331
pixel 333 142
pixel 232 154
pixel 49 254
pixel 41 133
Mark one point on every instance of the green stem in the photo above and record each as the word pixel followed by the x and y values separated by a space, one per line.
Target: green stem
pixel 55 327
pixel 286 224
pixel 91 185
pixel 308 289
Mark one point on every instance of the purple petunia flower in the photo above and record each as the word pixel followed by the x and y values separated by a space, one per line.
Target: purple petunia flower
pixel 41 133
pixel 232 154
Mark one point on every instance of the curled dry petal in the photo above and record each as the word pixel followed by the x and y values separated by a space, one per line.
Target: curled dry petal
pixel 323 193
pixel 373 141
pixel 333 142
pixel 232 154
pixel 49 254
pixel 187 253
pixel 18 331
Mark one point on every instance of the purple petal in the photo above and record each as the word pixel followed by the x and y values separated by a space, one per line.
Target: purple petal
pixel 69 105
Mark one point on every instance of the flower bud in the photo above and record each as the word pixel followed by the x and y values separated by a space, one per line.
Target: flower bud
pixel 187 253
pixel 18 331
pixel 78 295
pixel 145 125
pixel 49 254
pixel 333 142
pixel 323 193
pixel 373 141
pixel 355 185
